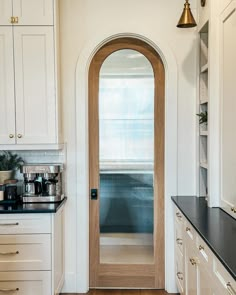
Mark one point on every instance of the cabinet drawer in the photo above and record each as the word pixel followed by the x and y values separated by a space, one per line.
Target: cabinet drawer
pixel 179 217
pixel 223 278
pixel 25 224
pixel 25 252
pixel 205 254
pixel 26 283
pixel 190 232
pixel 179 270
pixel 179 237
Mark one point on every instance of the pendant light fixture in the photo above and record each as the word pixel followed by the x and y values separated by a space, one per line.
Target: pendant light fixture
pixel 186 20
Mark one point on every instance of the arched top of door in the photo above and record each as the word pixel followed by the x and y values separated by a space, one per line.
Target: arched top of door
pixel 129 43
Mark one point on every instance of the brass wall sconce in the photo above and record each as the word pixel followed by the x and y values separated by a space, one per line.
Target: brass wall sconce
pixel 187 20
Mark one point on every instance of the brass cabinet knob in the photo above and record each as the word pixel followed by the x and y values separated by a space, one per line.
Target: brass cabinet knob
pixel 201 248
pixel 11 135
pixel 180 276
pixel 178 215
pixel 14 20
pixel 19 135
pixel 193 261
pixel 179 241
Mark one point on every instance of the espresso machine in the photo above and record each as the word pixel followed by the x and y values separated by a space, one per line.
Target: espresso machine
pixel 42 183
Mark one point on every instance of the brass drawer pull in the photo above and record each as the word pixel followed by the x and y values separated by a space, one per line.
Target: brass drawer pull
pixel 178 215
pixel 201 248
pixel 9 290
pixel 179 241
pixel 14 19
pixel 9 253
pixel 188 229
pixel 9 224
pixel 230 289
pixel 193 261
pixel 19 135
pixel 180 276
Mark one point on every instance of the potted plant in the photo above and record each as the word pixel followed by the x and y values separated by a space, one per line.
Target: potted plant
pixel 9 163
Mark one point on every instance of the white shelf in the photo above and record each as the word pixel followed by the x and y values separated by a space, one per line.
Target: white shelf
pixel 204 68
pixel 204 101
pixel 204 165
pixel 204 133
pixel 203 107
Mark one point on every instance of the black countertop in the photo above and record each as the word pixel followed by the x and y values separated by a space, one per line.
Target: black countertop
pixel 20 207
pixel 216 228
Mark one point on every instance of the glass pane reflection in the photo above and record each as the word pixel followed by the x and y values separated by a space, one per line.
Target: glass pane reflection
pixel 126 152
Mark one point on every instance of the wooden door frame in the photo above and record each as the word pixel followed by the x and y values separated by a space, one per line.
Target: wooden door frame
pixel 154 273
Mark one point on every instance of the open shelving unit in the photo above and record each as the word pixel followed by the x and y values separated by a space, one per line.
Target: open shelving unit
pixel 203 107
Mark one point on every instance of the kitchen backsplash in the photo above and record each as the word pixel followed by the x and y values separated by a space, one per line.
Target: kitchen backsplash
pixel 43 157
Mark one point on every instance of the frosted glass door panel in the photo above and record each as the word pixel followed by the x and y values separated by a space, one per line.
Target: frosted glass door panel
pixel 126 157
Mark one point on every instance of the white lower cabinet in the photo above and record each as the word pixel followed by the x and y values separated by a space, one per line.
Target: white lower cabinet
pixel 32 253
pixel 26 283
pixel 205 281
pixel 198 271
pixel 190 270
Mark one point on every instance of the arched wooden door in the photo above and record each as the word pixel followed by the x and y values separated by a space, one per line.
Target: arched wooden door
pixel 108 268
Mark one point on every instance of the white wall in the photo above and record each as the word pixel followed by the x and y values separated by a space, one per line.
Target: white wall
pixel 81 20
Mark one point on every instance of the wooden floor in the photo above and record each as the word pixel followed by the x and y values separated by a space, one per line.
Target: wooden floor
pixel 122 292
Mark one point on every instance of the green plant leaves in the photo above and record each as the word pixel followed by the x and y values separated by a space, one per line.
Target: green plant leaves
pixel 10 161
pixel 203 117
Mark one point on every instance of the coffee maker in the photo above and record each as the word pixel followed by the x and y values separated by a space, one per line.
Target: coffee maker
pixel 42 183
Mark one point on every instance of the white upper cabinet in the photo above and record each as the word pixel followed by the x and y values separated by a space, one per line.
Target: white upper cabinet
pixel 35 85
pixel 7 99
pixel 26 12
pixel 228 107
pixel 5 12
pixel 33 12
pixel 29 113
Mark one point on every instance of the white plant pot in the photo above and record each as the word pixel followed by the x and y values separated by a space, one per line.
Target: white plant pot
pixel 4 175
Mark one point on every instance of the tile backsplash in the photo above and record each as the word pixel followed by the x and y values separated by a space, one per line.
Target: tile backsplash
pixel 42 157
pixel 52 156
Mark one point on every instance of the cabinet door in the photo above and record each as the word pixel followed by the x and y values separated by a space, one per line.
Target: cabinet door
pixel 7 99
pixel 33 12
pixel 204 281
pixel 35 85
pixel 5 12
pixel 190 270
pixel 228 106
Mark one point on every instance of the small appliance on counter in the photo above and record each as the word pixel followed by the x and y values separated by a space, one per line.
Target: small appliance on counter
pixel 42 183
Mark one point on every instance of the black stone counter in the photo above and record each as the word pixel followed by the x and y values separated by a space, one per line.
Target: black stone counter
pixel 216 228
pixel 19 207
